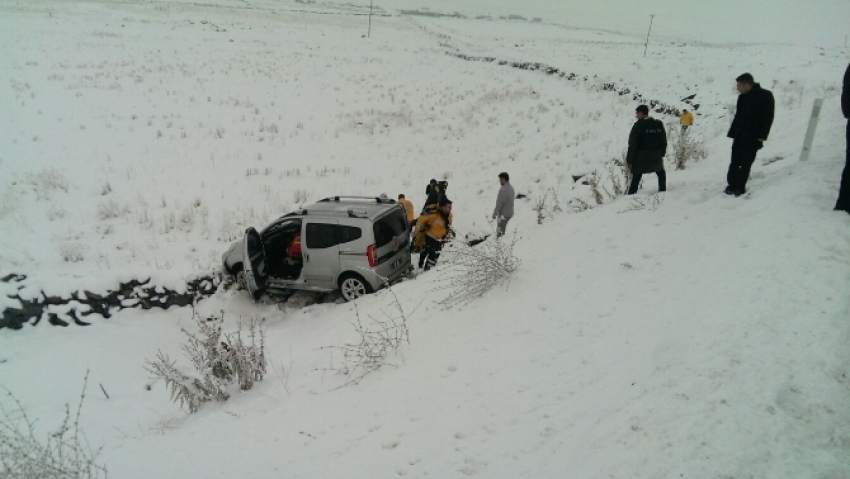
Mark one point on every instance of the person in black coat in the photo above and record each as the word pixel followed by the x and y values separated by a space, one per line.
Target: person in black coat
pixel 749 131
pixel 843 203
pixel 647 147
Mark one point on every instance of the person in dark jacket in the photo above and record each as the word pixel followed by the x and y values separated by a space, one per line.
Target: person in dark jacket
pixel 647 147
pixel 843 203
pixel 434 192
pixel 749 131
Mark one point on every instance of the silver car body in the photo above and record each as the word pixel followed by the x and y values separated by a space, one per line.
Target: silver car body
pixel 342 238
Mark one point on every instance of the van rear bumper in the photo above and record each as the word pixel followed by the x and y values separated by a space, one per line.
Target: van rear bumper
pixel 386 272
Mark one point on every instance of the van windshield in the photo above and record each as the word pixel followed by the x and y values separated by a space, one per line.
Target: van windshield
pixel 389 226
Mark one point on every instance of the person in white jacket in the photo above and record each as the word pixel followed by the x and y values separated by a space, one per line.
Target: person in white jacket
pixel 504 204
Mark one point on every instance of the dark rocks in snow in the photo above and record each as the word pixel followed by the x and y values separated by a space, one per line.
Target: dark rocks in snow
pixel 132 294
pixel 658 107
pixel 474 240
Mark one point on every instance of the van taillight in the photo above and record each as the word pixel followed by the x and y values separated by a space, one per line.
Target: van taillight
pixel 372 254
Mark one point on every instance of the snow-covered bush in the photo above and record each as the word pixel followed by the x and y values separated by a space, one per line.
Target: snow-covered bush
pixel 683 148
pixel 547 205
pixel 47 180
pixel 55 212
pixel 577 205
pixel 377 341
pixel 619 176
pixel 111 209
pixel 64 453
pixel 72 251
pixel 651 202
pixel 220 359
pixel 471 271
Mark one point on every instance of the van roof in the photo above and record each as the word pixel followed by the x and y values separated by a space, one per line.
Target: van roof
pixel 361 207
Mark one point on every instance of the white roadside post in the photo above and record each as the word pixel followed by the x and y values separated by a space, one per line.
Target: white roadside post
pixel 810 132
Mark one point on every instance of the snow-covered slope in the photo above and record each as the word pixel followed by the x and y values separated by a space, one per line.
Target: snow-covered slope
pixel 707 337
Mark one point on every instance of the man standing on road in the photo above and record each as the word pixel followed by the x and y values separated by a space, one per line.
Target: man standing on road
pixel 647 147
pixel 843 203
pixel 504 204
pixel 749 130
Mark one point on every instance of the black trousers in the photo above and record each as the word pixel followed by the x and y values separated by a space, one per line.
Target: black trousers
pixel 843 202
pixel 431 253
pixel 662 181
pixel 743 156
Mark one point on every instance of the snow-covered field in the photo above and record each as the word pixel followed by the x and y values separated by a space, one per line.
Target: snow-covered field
pixel 707 337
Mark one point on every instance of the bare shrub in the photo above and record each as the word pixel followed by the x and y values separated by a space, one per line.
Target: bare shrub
pixel 55 212
pixel 594 181
pixel 220 359
pixel 65 453
pixel 547 205
pixel 577 205
pixel 651 202
pixel 619 176
pixel 377 342
pixel 471 271
pixel 685 148
pixel 72 251
pixel 46 181
pixel 111 209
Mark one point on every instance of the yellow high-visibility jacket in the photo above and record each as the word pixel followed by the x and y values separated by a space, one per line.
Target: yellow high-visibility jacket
pixel 433 225
pixel 408 208
pixel 686 119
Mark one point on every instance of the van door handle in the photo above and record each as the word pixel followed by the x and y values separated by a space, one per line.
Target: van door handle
pixel 306 257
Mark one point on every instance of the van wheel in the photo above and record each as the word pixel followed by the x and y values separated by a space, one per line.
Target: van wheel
pixel 353 286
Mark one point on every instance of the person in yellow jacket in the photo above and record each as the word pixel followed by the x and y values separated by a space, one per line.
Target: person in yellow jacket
pixel 408 210
pixel 433 227
pixel 686 119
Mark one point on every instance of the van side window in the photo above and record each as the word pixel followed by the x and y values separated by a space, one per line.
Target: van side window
pixel 320 235
pixel 349 233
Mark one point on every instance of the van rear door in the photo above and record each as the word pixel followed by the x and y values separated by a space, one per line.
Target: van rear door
pixel 392 235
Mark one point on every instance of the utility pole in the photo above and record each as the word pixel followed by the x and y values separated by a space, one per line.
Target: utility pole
pixel 369 32
pixel 646 45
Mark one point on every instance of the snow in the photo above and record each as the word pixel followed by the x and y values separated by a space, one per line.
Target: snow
pixel 705 338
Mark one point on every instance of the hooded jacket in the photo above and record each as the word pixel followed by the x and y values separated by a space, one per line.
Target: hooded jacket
pixel 687 119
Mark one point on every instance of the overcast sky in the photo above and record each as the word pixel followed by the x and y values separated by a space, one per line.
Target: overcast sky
pixel 811 22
